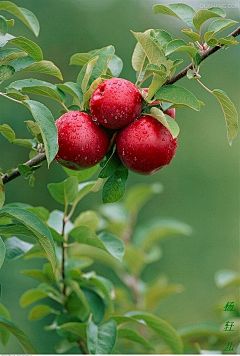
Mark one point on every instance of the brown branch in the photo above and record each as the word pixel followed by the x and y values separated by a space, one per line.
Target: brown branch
pixel 41 157
pixel 204 55
pixel 32 162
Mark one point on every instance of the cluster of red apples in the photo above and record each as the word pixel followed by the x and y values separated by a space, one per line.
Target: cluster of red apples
pixel 143 144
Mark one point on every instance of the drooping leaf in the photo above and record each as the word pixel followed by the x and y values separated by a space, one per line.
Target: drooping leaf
pixel 110 166
pixel 180 46
pixel 71 88
pixel 193 35
pixel 105 241
pixel 44 67
pixel 44 118
pixel 26 16
pixel 167 121
pixel 138 195
pixel 154 53
pixel 11 54
pixel 28 46
pixel 2 252
pixel 40 87
pixel 230 114
pixel 35 226
pixel 114 188
pixel 16 248
pixel 89 68
pixel 81 175
pixel 6 72
pixel 162 328
pixel 39 312
pixel 19 335
pixel 132 335
pixel 64 192
pixel 101 339
pixel 156 230
pixel 203 15
pixel 115 65
pixel 219 25
pixel 177 95
pixel 182 11
pixel 139 58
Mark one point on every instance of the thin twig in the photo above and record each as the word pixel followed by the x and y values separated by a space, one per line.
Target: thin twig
pixel 41 157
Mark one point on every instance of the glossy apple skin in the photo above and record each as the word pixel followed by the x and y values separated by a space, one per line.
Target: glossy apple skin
pixel 82 143
pixel 115 103
pixel 145 145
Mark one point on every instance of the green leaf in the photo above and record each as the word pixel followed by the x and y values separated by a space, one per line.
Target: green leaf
pixel 36 226
pixel 193 35
pixel 71 88
pixel 37 274
pixel 115 65
pixel 19 335
pixel 16 94
pixel 26 16
pixel 156 230
pixel 162 37
pixel 82 175
pixel 203 15
pixel 177 95
pixel 2 193
pixel 106 287
pixel 4 333
pixel 220 25
pixel 110 166
pixel 105 241
pixel 166 120
pixel 157 70
pixel 201 330
pixel 230 114
pixel 154 53
pixel 7 132
pixel 75 328
pixel 2 252
pixel 104 55
pixel 46 122
pixel 40 211
pixel 139 58
pixel 11 54
pixel 88 218
pixel 44 67
pixel 101 339
pixel 39 87
pixel 79 293
pixel 64 192
pixel 181 46
pixel 16 248
pixel 21 63
pixel 6 72
pixel 39 312
pixel 3 26
pixel 182 11
pixel 89 68
pixel 133 335
pixel 162 328
pixel 229 40
pixel 114 188
pixel 80 59
pixel 138 195
pixel 28 46
pixel 31 296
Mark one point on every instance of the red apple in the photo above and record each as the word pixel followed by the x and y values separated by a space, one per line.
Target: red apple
pixel 145 145
pixel 82 143
pixel 115 103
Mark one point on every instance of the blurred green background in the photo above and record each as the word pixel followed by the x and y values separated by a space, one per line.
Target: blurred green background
pixel 201 184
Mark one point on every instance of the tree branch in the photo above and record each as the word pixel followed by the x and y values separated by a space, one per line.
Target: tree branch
pixel 42 156
pixel 32 162
pixel 204 55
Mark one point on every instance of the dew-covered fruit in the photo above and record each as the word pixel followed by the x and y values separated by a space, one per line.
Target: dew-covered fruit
pixel 115 103
pixel 170 112
pixel 145 145
pixel 82 143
